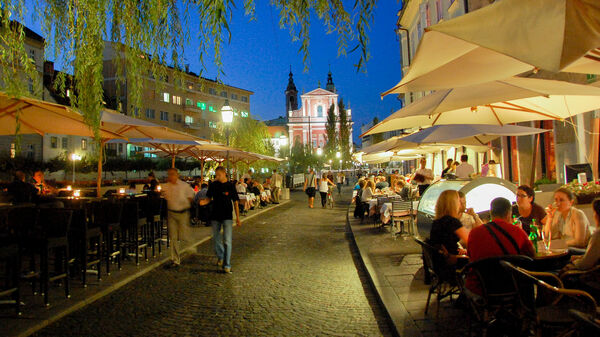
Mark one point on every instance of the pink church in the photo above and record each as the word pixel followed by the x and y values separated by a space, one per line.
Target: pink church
pixel 307 124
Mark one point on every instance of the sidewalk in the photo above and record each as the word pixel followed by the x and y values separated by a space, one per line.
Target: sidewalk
pixel 35 316
pixel 395 268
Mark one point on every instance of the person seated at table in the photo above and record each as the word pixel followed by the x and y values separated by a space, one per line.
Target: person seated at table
pixel 368 191
pixel 527 210
pixel 131 189
pixel 468 217
pixel 240 187
pixel 20 191
pixel 446 229
pixel 566 222
pixel 41 185
pixel 496 238
pixel 381 183
pixel 591 258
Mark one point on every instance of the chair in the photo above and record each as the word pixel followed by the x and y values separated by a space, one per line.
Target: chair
pixel 587 280
pixel 87 243
pixel 10 257
pixel 494 294
pixel 443 276
pixel 403 211
pixel 107 215
pixel 376 217
pixel 53 238
pixel 155 223
pixel 585 325
pixel 22 224
pixel 548 305
pixel 133 227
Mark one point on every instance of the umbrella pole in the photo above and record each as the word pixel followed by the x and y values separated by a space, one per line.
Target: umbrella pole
pixel 172 161
pixel 99 177
pixel 202 170
pixel 534 159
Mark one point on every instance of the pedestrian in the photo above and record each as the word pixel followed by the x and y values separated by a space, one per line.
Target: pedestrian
pixel 225 200
pixel 276 186
pixel 324 188
pixel 179 196
pixel 310 187
pixel 340 181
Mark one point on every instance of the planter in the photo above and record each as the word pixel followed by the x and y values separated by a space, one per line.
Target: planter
pixel 586 198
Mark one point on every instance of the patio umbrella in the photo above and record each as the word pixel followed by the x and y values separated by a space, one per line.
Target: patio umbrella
pixel 512 100
pixel 504 39
pixel 169 147
pixel 468 134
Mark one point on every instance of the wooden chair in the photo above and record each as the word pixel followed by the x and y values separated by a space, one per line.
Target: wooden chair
pixel 403 213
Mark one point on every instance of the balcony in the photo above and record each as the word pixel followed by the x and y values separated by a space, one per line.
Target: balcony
pixel 194 126
pixel 192 108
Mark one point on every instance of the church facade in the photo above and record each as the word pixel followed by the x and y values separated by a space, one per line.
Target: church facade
pixel 307 122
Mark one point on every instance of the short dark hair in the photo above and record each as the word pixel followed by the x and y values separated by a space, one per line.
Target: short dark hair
pixel 464 157
pixel 449 161
pixel 204 185
pixel 500 207
pixel 528 190
pixel 220 168
pixel 596 206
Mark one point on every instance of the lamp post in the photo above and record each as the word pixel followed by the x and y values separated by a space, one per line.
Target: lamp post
pixel 74 157
pixel 339 156
pixel 227 116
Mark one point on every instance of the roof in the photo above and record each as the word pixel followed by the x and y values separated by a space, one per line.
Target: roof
pixel 28 32
pixel 279 121
pixel 319 92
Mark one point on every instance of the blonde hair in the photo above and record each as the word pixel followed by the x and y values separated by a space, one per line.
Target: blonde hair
pixel 447 204
pixel 370 184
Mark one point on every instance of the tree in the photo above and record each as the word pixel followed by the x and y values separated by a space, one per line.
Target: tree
pixel 331 129
pixel 150 34
pixel 344 133
pixel 377 137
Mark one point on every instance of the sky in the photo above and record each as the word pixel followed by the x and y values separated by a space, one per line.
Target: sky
pixel 260 54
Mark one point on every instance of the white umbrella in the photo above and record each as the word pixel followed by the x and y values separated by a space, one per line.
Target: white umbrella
pixel 512 100
pixel 468 134
pixel 504 39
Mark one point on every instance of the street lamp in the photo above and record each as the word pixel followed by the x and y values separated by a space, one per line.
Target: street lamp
pixel 74 157
pixel 227 116
pixel 319 151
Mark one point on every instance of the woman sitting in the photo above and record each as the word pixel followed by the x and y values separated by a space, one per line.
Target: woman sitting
pixel 359 210
pixel 567 222
pixel 446 229
pixel 368 191
pixel 527 210
pixel 591 258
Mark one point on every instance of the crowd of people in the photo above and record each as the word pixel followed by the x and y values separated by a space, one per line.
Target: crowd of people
pixel 323 184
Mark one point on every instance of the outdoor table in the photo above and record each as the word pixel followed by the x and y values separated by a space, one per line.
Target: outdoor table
pixel 553 259
pixel 386 211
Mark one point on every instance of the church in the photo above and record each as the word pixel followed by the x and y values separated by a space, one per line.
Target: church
pixel 307 123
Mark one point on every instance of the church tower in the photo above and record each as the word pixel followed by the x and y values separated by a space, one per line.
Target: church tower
pixel 291 95
pixel 330 86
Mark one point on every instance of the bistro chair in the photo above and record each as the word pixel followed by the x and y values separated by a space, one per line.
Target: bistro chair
pixel 498 295
pixel 402 213
pixel 376 217
pixel 587 280
pixel 133 225
pixel 549 306
pixel 11 261
pixel 53 241
pixel 585 325
pixel 22 223
pixel 107 216
pixel 87 242
pixel 443 276
pixel 153 206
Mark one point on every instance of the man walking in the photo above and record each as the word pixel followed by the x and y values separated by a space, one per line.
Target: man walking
pixel 179 196
pixel 276 181
pixel 224 200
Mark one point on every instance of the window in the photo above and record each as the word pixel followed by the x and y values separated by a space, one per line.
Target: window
pixel 150 113
pixel 211 108
pixel 224 94
pixel 84 144
pixel 320 111
pixel 30 86
pixel 189 119
pixel 64 142
pixel 135 111
pixel 30 151
pixel 166 97
pixel 32 55
pixel 177 118
pixel 54 142
pixel 68 92
pixel 234 96
pixel 189 101
pixel 120 147
pixel 13 150
pixel 177 100
pixel 212 124
pixel 164 116
pixel 201 105
pixel 244 113
pixel 244 99
pixel 212 91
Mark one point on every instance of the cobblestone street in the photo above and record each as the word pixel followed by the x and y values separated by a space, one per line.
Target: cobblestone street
pixel 294 274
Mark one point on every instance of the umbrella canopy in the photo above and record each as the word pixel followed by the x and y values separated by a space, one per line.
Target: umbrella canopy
pixel 465 134
pixel 39 117
pixel 504 39
pixel 512 100
pixel 170 147
pixel 141 129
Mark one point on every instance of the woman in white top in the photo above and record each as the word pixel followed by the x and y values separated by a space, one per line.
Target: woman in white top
pixel 324 183
pixel 567 222
pixel 368 191
pixel 591 258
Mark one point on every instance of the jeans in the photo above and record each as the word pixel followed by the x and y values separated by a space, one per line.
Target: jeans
pixel 323 198
pixel 223 241
pixel 339 187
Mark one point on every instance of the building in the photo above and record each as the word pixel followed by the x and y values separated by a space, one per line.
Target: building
pixel 180 100
pixel 307 123
pixel 566 144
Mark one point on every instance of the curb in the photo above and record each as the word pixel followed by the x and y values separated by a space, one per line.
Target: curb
pixel 93 298
pixel 387 298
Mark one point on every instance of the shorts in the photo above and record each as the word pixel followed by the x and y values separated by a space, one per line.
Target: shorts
pixel 310 191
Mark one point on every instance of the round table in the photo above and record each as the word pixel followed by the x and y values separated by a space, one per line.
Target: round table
pixel 553 259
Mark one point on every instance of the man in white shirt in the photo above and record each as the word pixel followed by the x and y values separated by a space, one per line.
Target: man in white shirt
pixel 424 176
pixel 179 196
pixel 464 170
pixel 276 186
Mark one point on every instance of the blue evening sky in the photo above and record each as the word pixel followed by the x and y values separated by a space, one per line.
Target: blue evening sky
pixel 260 54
